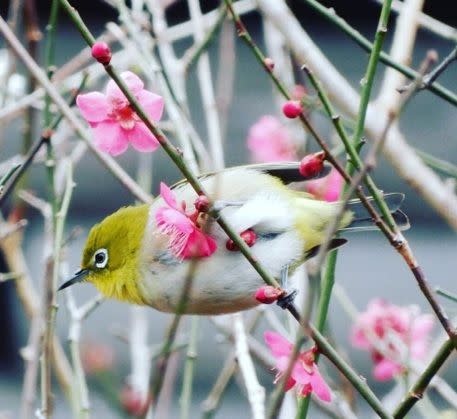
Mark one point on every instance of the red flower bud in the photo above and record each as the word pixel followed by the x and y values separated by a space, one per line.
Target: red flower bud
pixel 133 403
pixel 292 108
pixel 268 294
pixel 248 236
pixel 312 164
pixel 102 52
pixel 202 203
pixel 269 63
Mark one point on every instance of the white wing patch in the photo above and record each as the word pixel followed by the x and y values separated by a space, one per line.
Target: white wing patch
pixel 265 212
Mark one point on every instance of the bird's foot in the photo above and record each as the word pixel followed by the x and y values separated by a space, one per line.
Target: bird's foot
pixel 288 299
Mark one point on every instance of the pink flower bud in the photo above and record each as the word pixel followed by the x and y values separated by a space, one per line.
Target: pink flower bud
pixel 102 52
pixel 202 203
pixel 269 63
pixel 248 236
pixel 268 294
pixel 312 164
pixel 292 108
pixel 133 403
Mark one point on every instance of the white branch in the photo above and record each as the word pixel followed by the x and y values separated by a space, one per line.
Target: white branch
pixel 185 29
pixel 207 90
pixel 256 393
pixel 401 52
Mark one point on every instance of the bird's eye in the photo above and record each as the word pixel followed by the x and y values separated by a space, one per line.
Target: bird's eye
pixel 101 258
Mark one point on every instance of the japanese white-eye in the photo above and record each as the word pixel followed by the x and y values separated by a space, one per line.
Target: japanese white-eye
pixel 127 257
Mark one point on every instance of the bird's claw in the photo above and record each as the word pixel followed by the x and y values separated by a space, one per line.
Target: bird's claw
pixel 285 301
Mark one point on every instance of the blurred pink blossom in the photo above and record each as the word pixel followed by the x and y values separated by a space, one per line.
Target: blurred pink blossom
pixel 268 140
pixel 327 188
pixel 402 331
pixel 97 358
pixel 113 121
pixel 305 374
pixel 187 240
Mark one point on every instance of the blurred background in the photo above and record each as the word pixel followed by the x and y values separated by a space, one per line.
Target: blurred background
pixel 367 266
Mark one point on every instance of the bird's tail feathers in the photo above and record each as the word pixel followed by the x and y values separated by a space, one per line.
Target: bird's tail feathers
pixel 362 220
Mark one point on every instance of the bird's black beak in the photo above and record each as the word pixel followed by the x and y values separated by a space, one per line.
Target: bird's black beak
pixel 78 277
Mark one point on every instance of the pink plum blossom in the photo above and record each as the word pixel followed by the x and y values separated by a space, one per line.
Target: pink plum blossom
pixel 400 331
pixel 327 188
pixel 187 240
pixel 113 121
pixel 268 140
pixel 305 374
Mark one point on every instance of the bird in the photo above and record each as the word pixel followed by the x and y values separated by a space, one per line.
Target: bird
pixel 128 257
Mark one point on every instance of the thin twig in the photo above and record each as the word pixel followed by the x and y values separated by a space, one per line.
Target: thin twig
pixel 445 293
pixel 433 75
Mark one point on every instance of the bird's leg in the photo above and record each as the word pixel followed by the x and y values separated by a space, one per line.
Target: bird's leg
pixel 285 301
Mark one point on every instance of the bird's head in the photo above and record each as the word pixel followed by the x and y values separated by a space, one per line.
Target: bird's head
pixel 111 255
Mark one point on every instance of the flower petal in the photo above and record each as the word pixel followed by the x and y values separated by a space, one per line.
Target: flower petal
pixel 268 140
pixel 279 346
pixel 141 138
pixel 422 326
pixel 110 138
pixel 320 387
pixel 386 369
pixel 168 195
pixel 198 245
pixel 133 82
pixel 153 104
pixel 93 106
pixel 300 374
pixel 171 219
pixel 359 339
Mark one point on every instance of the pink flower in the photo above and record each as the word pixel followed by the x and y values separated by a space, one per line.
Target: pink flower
pixel 401 331
pixel 113 121
pixel 327 188
pixel 97 358
pixel 305 374
pixel 187 240
pixel 268 141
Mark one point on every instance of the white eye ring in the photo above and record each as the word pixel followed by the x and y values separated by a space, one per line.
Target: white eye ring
pixel 101 258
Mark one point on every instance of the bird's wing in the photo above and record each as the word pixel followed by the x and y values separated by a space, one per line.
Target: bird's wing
pixel 288 172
